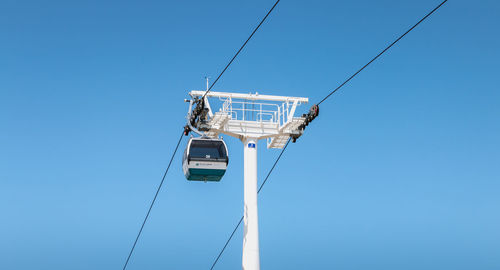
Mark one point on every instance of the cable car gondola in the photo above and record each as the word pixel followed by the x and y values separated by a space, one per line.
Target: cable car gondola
pixel 205 159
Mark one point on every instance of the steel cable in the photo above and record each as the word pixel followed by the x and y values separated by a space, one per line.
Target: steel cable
pixel 216 80
pixel 153 202
pixel 241 48
pixel 326 97
pixel 382 52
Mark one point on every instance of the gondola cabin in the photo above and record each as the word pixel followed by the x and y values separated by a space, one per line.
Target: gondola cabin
pixel 205 159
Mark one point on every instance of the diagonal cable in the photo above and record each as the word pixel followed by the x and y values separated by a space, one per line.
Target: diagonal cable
pixel 383 51
pixel 153 202
pixel 331 93
pixel 178 143
pixel 241 48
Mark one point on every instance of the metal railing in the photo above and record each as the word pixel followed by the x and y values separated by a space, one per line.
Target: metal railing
pixel 257 111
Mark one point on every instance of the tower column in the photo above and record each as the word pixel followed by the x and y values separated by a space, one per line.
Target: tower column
pixel 251 257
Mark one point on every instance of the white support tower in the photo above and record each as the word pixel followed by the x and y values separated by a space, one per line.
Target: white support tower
pixel 251 117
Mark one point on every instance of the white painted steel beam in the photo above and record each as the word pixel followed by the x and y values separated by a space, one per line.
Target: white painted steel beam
pixel 256 96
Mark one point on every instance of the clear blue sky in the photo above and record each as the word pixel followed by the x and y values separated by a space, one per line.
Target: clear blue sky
pixel 399 171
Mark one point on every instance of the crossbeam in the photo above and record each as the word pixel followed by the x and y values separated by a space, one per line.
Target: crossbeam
pixel 250 96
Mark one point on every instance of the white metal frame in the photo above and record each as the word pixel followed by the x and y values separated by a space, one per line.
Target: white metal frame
pixel 273 118
pixel 274 121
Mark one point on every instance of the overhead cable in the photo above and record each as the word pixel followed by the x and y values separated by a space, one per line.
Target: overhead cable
pixel 183 133
pixel 326 97
pixel 152 202
pixel 382 52
pixel 241 48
